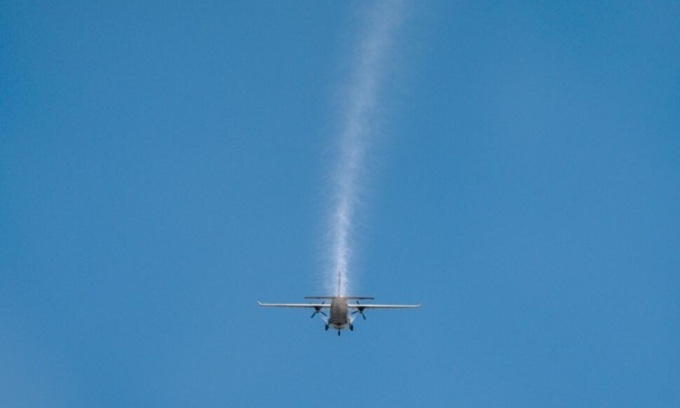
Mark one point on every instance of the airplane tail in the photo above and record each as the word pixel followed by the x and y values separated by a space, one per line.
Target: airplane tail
pixel 344 297
pixel 340 293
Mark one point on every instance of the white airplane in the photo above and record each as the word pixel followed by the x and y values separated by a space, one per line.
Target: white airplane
pixel 341 311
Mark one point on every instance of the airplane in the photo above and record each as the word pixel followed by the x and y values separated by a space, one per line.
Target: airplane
pixel 342 312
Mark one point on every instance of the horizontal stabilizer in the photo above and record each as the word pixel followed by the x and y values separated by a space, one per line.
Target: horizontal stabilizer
pixel 343 297
pixel 316 306
pixel 370 306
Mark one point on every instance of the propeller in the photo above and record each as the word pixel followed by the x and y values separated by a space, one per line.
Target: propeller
pixel 359 310
pixel 318 310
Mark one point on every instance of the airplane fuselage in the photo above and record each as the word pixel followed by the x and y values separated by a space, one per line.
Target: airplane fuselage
pixel 339 318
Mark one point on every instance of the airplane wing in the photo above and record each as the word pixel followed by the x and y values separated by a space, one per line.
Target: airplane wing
pixel 302 305
pixel 370 306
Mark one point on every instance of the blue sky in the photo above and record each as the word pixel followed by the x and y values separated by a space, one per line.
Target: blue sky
pixel 163 165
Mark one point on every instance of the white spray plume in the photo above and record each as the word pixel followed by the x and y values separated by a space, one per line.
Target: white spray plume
pixel 358 126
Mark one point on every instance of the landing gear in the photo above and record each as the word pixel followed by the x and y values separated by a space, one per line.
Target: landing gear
pixel 338 333
pixel 351 327
pixel 326 327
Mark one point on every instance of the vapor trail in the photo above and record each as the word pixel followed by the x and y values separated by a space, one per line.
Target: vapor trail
pixel 359 116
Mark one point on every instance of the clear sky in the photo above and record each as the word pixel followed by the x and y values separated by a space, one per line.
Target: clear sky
pixel 163 165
